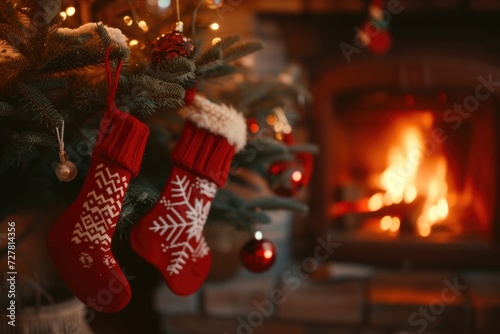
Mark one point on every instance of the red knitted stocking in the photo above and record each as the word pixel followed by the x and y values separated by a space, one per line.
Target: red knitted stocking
pixel 79 242
pixel 170 236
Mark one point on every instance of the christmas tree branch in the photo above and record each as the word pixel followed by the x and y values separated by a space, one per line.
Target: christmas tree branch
pixel 179 70
pixel 6 109
pixel 276 203
pixel 38 103
pixel 211 56
pixel 27 140
pixel 215 71
pixel 13 38
pixel 241 50
pixel 228 41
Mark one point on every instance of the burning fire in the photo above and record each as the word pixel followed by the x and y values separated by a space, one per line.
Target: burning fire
pixel 412 175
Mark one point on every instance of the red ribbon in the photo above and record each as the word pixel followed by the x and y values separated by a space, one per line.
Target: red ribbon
pixel 112 86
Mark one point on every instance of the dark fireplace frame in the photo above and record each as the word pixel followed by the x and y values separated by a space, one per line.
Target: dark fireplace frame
pixel 412 72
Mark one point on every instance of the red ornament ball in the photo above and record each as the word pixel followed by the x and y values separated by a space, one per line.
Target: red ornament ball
pixel 171 45
pixel 381 44
pixel 376 37
pixel 286 178
pixel 253 126
pixel 258 255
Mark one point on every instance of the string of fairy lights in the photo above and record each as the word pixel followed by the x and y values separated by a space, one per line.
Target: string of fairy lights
pixel 69 11
pixel 133 18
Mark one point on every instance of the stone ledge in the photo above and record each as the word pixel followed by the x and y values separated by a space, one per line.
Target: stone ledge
pixel 213 325
pixel 326 302
pixel 485 298
pixel 418 301
pixel 383 303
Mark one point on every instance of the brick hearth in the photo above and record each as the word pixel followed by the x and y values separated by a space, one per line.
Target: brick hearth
pixel 338 299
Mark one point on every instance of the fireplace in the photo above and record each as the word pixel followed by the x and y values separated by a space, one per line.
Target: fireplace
pixel 408 170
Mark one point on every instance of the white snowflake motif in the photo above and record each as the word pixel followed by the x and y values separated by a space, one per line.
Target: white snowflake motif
pixel 198 216
pixel 206 187
pixel 201 251
pixel 166 203
pixel 182 225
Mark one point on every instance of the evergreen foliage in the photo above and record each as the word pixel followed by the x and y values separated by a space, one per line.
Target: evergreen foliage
pixel 50 74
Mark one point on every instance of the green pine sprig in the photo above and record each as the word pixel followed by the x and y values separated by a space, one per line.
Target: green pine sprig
pixel 38 104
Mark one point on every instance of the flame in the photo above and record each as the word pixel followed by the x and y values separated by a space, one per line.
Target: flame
pixel 411 174
pixel 376 202
pixel 385 223
pixel 436 206
pixel 388 223
pixel 395 223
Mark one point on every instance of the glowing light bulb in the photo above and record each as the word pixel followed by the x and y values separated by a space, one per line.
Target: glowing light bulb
pixel 287 129
pixel 258 235
pixel 216 40
pixel 70 11
pixel 164 3
pixel 128 20
pixel 297 176
pixel 214 26
pixel 271 119
pixel 143 25
pixel 254 128
pixel 63 15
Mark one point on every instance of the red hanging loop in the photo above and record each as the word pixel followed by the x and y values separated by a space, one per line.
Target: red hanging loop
pixel 112 86
pixel 106 127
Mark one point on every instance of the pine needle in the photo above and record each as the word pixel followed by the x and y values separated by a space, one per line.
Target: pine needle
pixel 75 57
pixel 228 41
pixel 138 200
pixel 104 35
pixel 27 140
pixel 215 72
pixel 6 109
pixel 38 103
pixel 241 50
pixel 177 70
pixel 146 95
pixel 210 56
pixel 89 99
pixel 48 83
pixel 13 37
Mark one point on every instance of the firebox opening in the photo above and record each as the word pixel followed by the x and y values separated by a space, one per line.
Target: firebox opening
pixel 413 166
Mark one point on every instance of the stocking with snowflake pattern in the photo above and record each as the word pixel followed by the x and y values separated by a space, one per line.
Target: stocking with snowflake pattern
pixel 79 242
pixel 170 235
